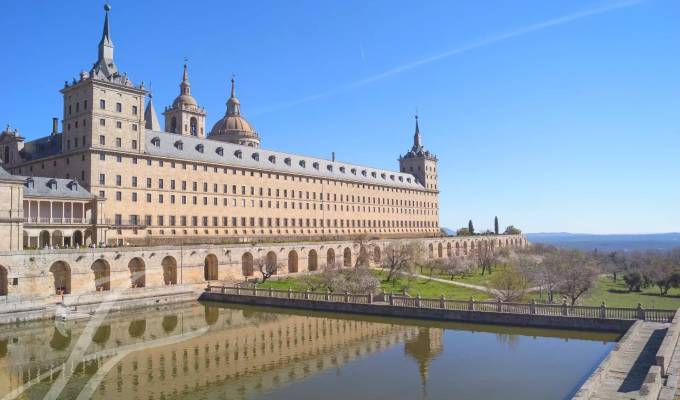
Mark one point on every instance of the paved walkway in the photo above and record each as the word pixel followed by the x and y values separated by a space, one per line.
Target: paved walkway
pixel 494 292
pixel 627 372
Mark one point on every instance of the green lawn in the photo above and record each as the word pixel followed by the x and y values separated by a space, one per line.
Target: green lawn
pixel 617 295
pixel 424 287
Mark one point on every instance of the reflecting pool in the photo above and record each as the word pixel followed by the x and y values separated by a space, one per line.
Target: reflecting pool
pixel 215 351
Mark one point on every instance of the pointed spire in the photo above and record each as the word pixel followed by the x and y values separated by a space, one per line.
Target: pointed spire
pixel 150 118
pixel 185 86
pixel 233 105
pixel 416 137
pixel 105 67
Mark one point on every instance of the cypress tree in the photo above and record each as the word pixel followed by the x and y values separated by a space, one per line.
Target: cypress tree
pixel 471 228
pixel 495 225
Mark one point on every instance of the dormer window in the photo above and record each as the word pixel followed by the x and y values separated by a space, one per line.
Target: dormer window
pixel 383 175
pixel 287 161
pixel 179 145
pixel 30 183
pixel 73 185
pixel 315 165
pixel 302 163
pixel 401 179
pixel 156 141
pixel 363 172
pixel 408 180
pixel 373 174
pixel 52 184
pixel 199 148
pixel 342 169
pixel 329 167
pixel 272 159
pixel 392 177
pixel 353 171
pixel 219 151
pixel 238 154
pixel 256 156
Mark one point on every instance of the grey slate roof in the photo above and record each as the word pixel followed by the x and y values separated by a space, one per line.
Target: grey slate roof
pixel 39 186
pixel 6 176
pixel 42 147
pixel 206 150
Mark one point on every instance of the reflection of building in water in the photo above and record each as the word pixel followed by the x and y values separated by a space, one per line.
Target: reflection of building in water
pixel 244 352
pixel 424 348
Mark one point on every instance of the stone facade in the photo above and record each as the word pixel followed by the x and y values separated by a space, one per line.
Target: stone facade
pixel 50 273
pixel 185 185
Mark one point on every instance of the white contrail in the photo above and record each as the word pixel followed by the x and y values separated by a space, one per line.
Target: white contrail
pixel 459 50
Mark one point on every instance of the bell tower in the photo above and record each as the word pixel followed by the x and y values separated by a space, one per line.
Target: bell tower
pixel 420 163
pixel 184 116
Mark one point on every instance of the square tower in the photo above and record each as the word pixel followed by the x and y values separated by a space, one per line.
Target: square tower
pixel 420 163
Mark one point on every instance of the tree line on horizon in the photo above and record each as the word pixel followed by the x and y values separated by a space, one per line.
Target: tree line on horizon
pixel 470 229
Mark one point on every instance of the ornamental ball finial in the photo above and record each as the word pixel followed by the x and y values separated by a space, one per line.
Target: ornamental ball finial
pixel 107 7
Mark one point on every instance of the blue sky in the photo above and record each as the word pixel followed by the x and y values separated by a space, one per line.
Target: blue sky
pixel 553 115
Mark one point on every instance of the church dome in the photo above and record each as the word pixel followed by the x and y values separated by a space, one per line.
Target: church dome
pixel 184 100
pixel 233 127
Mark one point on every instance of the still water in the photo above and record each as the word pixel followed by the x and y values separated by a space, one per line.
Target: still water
pixel 212 351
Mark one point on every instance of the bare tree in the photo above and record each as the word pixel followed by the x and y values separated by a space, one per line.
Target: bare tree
pixel 576 273
pixel 266 267
pixel 402 257
pixel 486 256
pixel 456 265
pixel 509 284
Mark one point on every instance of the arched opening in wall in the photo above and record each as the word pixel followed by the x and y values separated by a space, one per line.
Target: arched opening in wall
pixel 57 238
pixel 61 273
pixel 465 248
pixel 270 262
pixel 78 238
pixel 330 258
pixel 169 265
pixel 247 264
pixel 137 328
pixel 430 248
pixel 102 275
pixel 457 249
pixel 377 258
pixel 312 261
pixel 169 323
pixel 173 125
pixel 292 261
pixel 363 260
pixel 211 314
pixel 347 257
pixel 89 238
pixel 102 334
pixel 137 273
pixel 60 340
pixel 448 249
pixel 193 126
pixel 44 239
pixel 440 250
pixel 210 267
pixel 4 287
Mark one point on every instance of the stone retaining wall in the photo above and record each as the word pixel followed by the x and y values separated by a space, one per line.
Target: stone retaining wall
pixel 485 317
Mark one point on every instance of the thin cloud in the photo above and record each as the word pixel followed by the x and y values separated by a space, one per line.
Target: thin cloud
pixel 453 52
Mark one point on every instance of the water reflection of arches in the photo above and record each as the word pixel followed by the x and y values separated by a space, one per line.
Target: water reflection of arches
pixel 137 328
pixel 4 286
pixel 212 314
pixel 60 341
pixel 137 272
pixel 102 334
pixel 169 323
pixel 347 257
pixel 169 265
pixel 210 267
pixel 330 257
pixel 292 261
pixel 247 264
pixel 312 261
pixel 61 272
pixel 102 275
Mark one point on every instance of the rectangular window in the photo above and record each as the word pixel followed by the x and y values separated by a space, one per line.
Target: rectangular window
pixel 148 183
pixel 134 110
pixel 148 197
pixel 161 221
pixel 134 196
pixel 119 142
pixel 102 179
pixel 148 219
pixel 119 107
pixel 119 180
pixel 119 125
pixel 160 183
pixel 102 104
pixel 134 181
pixel 102 157
pixel 119 196
pixel 102 122
pixel 134 145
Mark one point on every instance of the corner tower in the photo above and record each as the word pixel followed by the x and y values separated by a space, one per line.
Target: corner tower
pixel 420 163
pixel 184 116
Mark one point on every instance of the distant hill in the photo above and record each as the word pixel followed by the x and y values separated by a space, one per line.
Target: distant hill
pixel 654 241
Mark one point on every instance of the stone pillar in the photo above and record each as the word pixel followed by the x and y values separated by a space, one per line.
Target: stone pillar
pixel 442 302
pixel 290 293
pixel 499 306
pixel 603 310
pixel 564 308
pixel 471 304
pixel 271 292
pixel 370 297
pixel 532 307
pixel 346 297
pixel 306 294
pixel 418 300
pixel 328 295
pixel 640 312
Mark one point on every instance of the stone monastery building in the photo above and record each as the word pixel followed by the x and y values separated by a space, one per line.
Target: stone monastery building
pixel 115 175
